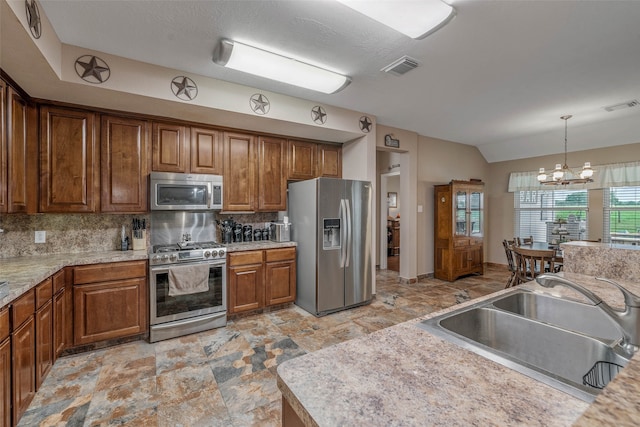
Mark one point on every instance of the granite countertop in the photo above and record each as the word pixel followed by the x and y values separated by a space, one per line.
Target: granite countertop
pixel 24 273
pixel 404 375
pixel 259 245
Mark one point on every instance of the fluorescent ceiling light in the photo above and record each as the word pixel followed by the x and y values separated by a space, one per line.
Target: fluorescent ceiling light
pixel 415 18
pixel 260 62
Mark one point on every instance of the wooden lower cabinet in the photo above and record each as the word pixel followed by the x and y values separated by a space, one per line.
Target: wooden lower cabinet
pixel 246 281
pixel 258 279
pixel 5 383
pixel 23 354
pixel 108 310
pixel 109 301
pixel 280 276
pixel 59 323
pixel 5 369
pixel 44 342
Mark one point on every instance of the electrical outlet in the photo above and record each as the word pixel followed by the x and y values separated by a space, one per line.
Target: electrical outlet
pixel 41 236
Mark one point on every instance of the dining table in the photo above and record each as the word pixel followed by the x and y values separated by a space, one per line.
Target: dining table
pixel 545 246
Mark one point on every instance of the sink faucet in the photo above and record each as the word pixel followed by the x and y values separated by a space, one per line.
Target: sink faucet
pixel 628 321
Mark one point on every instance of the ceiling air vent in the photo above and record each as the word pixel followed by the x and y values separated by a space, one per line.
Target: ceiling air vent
pixel 623 105
pixel 401 66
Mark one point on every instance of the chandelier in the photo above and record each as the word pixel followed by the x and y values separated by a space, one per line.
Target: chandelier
pixel 562 174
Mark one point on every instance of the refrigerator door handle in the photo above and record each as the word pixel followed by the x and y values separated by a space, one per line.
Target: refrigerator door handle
pixel 343 245
pixel 349 232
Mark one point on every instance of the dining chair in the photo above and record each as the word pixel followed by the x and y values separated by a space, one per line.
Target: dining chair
pixel 532 262
pixel 525 240
pixel 508 249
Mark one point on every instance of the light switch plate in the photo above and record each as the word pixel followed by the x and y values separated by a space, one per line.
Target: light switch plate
pixel 419 208
pixel 41 236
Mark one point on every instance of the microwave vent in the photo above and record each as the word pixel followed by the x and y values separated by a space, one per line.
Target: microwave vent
pixel 401 66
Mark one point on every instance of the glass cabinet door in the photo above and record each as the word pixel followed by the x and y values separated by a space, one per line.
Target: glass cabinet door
pixel 461 226
pixel 475 214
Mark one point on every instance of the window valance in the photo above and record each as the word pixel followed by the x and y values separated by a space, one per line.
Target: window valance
pixel 605 176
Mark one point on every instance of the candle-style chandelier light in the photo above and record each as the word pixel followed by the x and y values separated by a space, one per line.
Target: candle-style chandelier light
pixel 563 174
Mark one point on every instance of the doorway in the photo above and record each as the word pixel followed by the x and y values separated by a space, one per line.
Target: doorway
pixel 390 221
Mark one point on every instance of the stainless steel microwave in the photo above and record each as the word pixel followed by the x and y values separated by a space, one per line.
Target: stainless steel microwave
pixel 185 192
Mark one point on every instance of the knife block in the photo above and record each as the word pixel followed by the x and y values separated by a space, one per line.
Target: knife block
pixel 140 244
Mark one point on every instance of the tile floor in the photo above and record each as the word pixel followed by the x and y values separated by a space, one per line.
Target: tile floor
pixel 226 376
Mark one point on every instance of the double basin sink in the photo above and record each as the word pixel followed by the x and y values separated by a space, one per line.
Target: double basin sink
pixel 563 343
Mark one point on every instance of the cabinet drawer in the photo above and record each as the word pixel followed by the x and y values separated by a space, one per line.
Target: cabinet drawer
pixel 460 243
pixel 4 323
pixel 284 254
pixel 109 271
pixel 58 281
pixel 44 292
pixel 23 308
pixel 244 258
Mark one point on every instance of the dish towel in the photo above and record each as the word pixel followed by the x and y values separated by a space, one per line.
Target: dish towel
pixel 188 279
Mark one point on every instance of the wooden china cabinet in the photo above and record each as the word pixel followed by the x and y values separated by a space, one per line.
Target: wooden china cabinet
pixel 459 229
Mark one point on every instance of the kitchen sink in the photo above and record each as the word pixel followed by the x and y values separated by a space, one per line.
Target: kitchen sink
pixel 572 315
pixel 534 335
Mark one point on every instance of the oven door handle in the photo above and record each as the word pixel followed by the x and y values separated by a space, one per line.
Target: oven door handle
pixel 189 320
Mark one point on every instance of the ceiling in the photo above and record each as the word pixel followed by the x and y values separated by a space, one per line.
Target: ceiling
pixel 498 76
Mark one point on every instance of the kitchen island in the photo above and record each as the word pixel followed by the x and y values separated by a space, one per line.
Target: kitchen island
pixel 406 376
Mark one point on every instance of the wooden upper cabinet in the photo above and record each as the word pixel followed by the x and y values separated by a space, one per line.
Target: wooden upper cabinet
pixel 3 150
pixel 170 147
pixel 207 151
pixel 239 172
pixel 272 174
pixel 20 193
pixel 329 161
pixel 124 168
pixel 69 166
pixel 302 159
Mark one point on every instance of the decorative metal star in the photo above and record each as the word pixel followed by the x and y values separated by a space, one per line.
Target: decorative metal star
pixel 91 69
pixel 259 103
pixel 365 124
pixel 184 88
pixel 33 18
pixel 318 115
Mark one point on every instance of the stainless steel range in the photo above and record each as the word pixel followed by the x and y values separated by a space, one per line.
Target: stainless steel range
pixel 188 288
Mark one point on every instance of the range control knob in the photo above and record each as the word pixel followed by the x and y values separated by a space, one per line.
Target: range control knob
pixel 214 253
pixel 221 253
pixel 155 258
pixel 207 254
pixel 173 257
pixel 164 257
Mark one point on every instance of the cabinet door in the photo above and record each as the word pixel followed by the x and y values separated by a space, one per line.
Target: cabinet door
pixel 239 172
pixel 280 282
pixel 124 168
pixel 206 151
pixel 44 342
pixel 104 311
pixel 272 180
pixel 21 155
pixel 3 151
pixel 59 323
pixel 69 167
pixel 5 383
pixel 329 161
pixel 246 288
pixel 302 160
pixel 170 148
pixel 23 351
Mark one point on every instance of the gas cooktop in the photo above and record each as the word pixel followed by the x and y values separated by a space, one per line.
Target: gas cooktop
pixel 187 252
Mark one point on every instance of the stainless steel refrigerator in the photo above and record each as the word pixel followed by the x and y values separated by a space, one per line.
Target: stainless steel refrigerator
pixel 331 224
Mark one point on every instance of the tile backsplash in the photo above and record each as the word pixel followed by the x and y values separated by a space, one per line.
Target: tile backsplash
pixel 76 233
pixel 65 233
